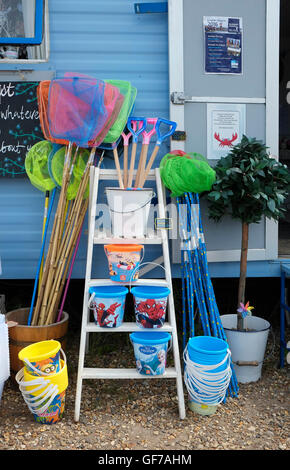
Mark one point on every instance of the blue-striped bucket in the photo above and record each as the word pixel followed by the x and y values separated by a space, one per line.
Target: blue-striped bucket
pixel 150 305
pixel 207 371
pixel 108 305
pixel 150 351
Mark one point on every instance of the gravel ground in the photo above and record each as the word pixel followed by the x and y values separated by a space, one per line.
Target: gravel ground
pixel 129 415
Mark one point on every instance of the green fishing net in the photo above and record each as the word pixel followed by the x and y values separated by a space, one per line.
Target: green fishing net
pixel 129 92
pixel 56 163
pixel 36 166
pixel 186 173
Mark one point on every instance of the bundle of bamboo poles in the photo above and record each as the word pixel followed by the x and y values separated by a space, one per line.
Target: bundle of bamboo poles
pixel 67 225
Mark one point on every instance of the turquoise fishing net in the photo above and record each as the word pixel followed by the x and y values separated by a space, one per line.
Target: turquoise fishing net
pixel 186 173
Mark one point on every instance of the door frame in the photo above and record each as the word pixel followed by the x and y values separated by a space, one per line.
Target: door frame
pixel 271 102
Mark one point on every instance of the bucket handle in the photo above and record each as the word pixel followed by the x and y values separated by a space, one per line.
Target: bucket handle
pixel 136 209
pixel 49 393
pixel 138 267
pixel 39 372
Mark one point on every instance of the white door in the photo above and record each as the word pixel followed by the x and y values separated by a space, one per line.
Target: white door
pixel 256 88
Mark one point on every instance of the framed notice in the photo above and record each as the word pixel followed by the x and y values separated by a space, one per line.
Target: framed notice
pixel 226 124
pixel 223 44
pixel 20 127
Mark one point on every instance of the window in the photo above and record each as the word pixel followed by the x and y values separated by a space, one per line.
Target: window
pixel 23 30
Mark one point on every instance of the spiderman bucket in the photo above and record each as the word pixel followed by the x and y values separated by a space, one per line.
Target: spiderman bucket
pixel 108 305
pixel 150 304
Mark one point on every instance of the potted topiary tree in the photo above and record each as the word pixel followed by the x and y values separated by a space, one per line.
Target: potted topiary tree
pixel 250 185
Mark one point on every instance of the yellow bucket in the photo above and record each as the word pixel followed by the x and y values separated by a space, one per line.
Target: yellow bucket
pixel 45 396
pixel 42 358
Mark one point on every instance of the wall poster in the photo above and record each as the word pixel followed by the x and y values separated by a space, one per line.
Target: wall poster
pixel 226 124
pixel 223 44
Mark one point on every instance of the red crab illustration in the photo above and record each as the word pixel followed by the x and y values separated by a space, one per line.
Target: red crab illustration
pixel 226 142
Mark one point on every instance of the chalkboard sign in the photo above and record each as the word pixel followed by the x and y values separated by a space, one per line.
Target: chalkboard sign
pixel 19 126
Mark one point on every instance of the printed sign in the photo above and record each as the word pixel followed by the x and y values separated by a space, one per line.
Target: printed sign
pixel 223 44
pixel 226 124
pixel 19 126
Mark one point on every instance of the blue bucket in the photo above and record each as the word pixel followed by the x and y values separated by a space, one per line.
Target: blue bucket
pixel 108 305
pixel 207 352
pixel 150 305
pixel 150 351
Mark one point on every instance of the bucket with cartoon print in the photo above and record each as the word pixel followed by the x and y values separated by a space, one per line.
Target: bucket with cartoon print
pixel 44 393
pixel 150 351
pixel 123 260
pixel 41 357
pixel 150 304
pixel 108 305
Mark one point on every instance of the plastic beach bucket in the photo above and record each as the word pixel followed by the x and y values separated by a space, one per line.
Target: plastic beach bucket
pixel 45 396
pixel 124 261
pixel 150 304
pixel 150 351
pixel 129 211
pixel 42 358
pixel 207 372
pixel 108 305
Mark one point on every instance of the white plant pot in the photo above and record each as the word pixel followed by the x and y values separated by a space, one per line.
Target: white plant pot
pixel 247 346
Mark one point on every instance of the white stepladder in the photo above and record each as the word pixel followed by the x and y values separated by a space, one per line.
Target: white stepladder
pixel 96 237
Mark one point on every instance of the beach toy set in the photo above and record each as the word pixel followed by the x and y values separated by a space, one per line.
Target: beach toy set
pixel 43 380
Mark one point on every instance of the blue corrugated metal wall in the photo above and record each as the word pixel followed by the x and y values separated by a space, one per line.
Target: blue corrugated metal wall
pixel 108 40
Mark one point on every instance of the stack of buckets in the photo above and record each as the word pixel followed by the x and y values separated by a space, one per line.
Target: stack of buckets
pixel 150 303
pixel 43 380
pixel 207 373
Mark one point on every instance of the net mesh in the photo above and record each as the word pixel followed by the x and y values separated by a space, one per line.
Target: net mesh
pixel 56 164
pixel 129 92
pixel 76 110
pixel 42 100
pixel 113 100
pixel 187 173
pixel 36 166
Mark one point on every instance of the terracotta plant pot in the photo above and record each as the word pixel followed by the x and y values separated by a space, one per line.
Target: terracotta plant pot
pixel 23 335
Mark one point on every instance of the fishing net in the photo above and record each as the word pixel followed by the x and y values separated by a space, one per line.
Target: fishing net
pixel 56 164
pixel 36 166
pixel 76 110
pixel 113 101
pixel 129 92
pixel 42 100
pixel 186 173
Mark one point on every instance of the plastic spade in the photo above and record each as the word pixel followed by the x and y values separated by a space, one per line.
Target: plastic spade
pixel 135 134
pixel 145 145
pixel 160 139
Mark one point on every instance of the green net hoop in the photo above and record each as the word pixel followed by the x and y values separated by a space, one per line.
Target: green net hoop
pixel 36 166
pixel 186 173
pixel 56 164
